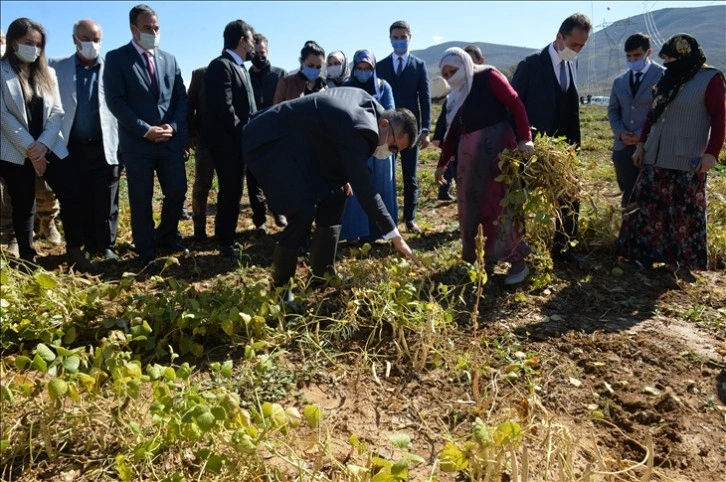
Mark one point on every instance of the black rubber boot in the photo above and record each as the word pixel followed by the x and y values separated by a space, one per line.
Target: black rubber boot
pixel 322 256
pixel 284 262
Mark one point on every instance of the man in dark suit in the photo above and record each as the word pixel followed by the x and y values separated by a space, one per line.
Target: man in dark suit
pixel 264 77
pixel 230 102
pixel 630 100
pixel 545 82
pixel 410 82
pixel 145 92
pixel 304 151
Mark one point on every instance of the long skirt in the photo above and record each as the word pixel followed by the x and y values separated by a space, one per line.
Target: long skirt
pixel 479 195
pixel 667 221
pixel 355 222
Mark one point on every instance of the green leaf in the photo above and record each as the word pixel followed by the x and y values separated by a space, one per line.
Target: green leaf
pixel 313 414
pixel 215 463
pixel 381 462
pixel 276 413
pixel 45 352
pixel 508 433
pixel 415 458
pixel 57 388
pixel 453 459
pixel 226 370
pixel 39 364
pixel 7 394
pixel 400 470
pixel 21 362
pixel 400 440
pixel 154 371
pixel 124 472
pixel 228 327
pixel 206 421
pixel 71 364
pixel 219 413
pixel 45 280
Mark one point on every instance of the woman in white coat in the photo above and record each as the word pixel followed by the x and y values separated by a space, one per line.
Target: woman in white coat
pixel 30 139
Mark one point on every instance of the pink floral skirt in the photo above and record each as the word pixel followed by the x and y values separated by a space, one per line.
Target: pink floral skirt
pixel 479 194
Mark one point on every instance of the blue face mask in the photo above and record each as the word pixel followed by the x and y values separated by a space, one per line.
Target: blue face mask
pixel 363 76
pixel 311 73
pixel 400 45
pixel 636 65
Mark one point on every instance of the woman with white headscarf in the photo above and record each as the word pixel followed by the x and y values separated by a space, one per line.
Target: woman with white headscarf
pixel 478 131
pixel 337 69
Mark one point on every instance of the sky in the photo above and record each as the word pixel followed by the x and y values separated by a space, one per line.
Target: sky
pixel 192 30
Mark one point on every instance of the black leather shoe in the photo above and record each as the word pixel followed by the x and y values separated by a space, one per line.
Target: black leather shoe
pixel 445 197
pixel 175 247
pixel 570 256
pixel 280 221
pixel 108 254
pixel 412 227
pixel 261 230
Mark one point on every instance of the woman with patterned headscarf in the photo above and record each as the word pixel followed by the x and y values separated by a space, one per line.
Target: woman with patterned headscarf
pixel 478 131
pixel 680 143
pixel 337 69
pixel 356 224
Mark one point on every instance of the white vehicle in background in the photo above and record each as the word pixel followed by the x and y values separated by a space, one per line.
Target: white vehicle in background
pixel 600 100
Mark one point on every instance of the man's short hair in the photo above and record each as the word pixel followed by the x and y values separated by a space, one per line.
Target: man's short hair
pixel 260 39
pixel 400 24
pixel 405 121
pixel 637 40
pixel 234 31
pixel 475 53
pixel 576 20
pixel 138 10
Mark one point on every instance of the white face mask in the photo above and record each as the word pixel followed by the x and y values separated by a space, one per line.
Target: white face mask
pixel 27 53
pixel 382 152
pixel 2 50
pixel 149 41
pixel 89 50
pixel 334 71
pixel 457 80
pixel 567 54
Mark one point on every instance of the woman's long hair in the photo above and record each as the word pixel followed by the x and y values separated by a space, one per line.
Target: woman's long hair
pixel 37 81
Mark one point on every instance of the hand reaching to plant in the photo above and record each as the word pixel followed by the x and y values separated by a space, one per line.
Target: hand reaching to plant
pixel 403 248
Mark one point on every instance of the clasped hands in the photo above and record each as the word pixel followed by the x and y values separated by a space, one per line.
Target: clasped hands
pixel 160 133
pixel 36 153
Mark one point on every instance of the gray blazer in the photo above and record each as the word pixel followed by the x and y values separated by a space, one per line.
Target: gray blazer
pixel 65 69
pixel 14 136
pixel 627 113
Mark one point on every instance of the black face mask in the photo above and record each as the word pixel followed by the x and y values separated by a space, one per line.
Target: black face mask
pixel 677 68
pixel 260 61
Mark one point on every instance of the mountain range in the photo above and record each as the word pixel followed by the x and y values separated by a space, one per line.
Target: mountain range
pixel 603 57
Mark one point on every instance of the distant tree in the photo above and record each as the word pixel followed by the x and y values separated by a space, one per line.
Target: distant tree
pixel 509 72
